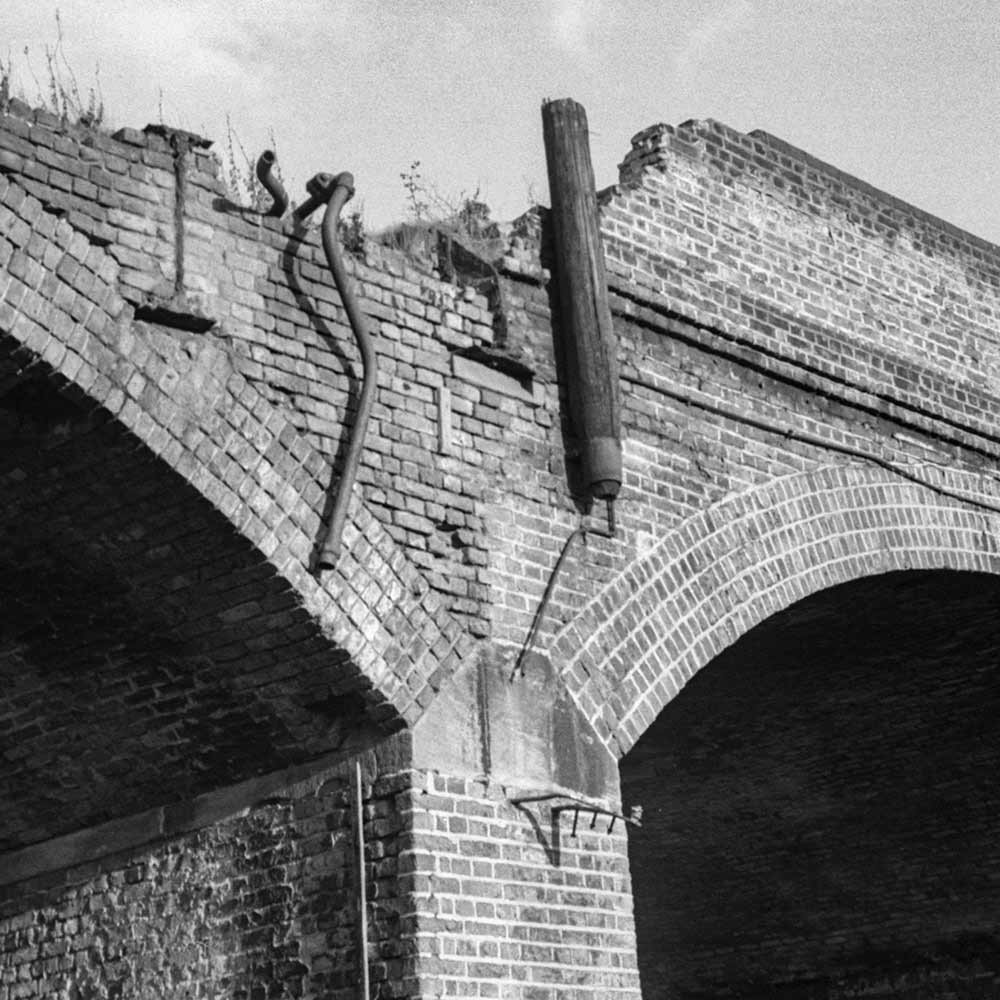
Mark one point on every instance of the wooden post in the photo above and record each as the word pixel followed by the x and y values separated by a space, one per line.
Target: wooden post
pixel 584 315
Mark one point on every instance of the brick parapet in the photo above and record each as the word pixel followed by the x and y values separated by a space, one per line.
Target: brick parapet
pixel 118 193
pixel 747 235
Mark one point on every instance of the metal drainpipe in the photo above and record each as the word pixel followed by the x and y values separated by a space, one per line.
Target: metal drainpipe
pixel 336 191
pixel 274 187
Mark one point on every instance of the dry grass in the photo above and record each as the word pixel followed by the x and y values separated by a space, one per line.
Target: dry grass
pixel 57 90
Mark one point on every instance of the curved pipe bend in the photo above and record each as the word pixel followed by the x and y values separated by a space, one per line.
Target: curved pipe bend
pixel 340 189
pixel 274 187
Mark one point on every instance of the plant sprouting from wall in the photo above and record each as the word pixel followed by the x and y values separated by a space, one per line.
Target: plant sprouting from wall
pixel 417 203
pixel 58 90
pixel 240 172
pixel 352 230
pixel 240 175
pixel 465 216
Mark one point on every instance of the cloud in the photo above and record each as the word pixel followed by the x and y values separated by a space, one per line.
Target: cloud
pixel 710 34
pixel 571 23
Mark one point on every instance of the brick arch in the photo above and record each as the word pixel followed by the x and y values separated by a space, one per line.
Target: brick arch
pixel 182 397
pixel 669 613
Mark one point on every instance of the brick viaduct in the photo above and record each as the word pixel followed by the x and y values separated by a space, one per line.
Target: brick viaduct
pixel 810 512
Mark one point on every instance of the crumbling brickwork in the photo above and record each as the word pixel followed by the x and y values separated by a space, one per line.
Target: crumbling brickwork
pixel 808 378
pixel 260 905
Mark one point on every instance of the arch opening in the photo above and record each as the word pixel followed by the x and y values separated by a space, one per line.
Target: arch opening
pixel 821 807
pixel 149 654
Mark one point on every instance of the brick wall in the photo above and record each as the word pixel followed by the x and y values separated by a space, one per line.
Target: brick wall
pixel 484 519
pixel 512 903
pixel 635 645
pixel 747 234
pixel 67 304
pixel 261 905
pixel 749 287
pixel 498 900
pixel 151 655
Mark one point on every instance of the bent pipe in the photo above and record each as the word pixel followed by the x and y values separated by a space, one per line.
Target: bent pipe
pixel 336 191
pixel 274 187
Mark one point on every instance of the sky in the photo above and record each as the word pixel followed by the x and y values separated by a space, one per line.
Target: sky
pixel 904 94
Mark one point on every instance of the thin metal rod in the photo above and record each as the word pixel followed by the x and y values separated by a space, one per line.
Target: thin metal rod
pixel 578 803
pixel 359 839
pixel 536 622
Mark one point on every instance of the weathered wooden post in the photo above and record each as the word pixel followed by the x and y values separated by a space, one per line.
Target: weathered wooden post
pixel 585 317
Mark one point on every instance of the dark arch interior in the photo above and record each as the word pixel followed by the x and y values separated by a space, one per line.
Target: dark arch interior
pixel 822 803
pixel 148 652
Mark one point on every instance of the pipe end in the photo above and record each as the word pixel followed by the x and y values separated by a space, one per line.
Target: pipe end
pixel 265 166
pixel 328 557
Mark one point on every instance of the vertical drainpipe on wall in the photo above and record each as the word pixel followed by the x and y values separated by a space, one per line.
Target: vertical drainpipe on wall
pixel 591 353
pixel 335 191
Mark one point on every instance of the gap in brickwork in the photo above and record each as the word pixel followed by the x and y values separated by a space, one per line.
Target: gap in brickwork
pixel 821 803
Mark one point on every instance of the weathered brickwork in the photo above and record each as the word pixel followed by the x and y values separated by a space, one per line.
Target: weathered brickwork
pixel 510 895
pixel 261 905
pixel 809 375
pixel 150 650
pixel 753 237
pixel 185 399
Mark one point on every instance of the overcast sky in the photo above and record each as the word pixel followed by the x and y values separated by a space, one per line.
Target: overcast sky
pixel 903 93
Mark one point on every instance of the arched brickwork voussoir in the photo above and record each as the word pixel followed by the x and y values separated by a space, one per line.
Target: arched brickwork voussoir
pixel 182 397
pixel 636 644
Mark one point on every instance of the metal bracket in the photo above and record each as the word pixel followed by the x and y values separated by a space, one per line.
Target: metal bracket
pixel 579 805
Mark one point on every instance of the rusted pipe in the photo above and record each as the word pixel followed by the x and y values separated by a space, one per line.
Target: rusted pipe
pixel 266 175
pixel 336 191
